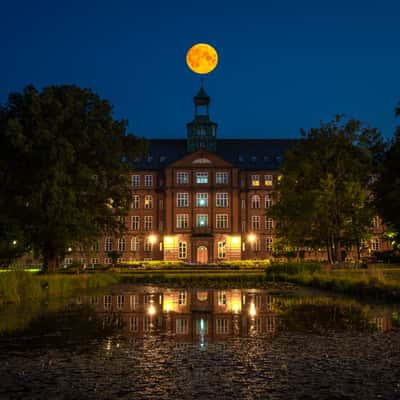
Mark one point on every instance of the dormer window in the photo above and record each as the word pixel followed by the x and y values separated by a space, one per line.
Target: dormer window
pixel 253 159
pixel 268 179
pixel 255 180
pixel 202 177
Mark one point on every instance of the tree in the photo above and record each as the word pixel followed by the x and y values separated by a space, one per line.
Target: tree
pixel 388 185
pixel 324 196
pixel 63 168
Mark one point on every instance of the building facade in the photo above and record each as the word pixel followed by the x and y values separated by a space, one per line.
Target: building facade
pixel 202 199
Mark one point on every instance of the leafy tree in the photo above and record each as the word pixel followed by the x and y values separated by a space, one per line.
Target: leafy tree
pixel 388 185
pixel 324 196
pixel 63 168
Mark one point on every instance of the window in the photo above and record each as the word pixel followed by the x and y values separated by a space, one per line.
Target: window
pixel 255 245
pixel 182 300
pixel 268 243
pixel 182 200
pixel 243 203
pixel 269 224
pixel 182 221
pixel 202 199
pixel 148 180
pixel 134 301
pixel 221 200
pixel 268 179
pixel 255 201
pixel 121 244
pixel 201 177
pixel 182 326
pixel 68 261
pixel 222 221
pixel 107 302
pixel 255 222
pixel 202 220
pixel 221 249
pixel 108 244
pixel 107 260
pixel 221 295
pixel 146 323
pixel 94 261
pixel 95 246
pixel 268 201
pixel 146 299
pixel 134 324
pixel 375 222
pixel 221 178
pixel 375 245
pixel 182 178
pixel 136 201
pixel 94 300
pixel 135 222
pixel 148 245
pixel 148 201
pixel 182 250
pixel 148 223
pixel 255 180
pixel 222 325
pixel 120 301
pixel 135 243
pixel 135 181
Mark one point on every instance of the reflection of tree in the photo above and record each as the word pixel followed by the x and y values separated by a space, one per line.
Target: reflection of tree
pixel 321 316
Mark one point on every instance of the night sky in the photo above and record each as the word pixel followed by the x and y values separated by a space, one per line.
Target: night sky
pixel 284 65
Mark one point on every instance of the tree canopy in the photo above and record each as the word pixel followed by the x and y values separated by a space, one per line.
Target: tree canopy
pixel 324 198
pixel 63 168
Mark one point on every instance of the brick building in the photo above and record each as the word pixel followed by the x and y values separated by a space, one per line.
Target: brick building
pixel 202 199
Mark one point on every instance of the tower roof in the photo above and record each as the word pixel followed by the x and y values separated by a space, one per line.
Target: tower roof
pixel 201 98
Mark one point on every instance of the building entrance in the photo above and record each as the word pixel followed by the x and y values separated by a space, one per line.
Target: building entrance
pixel 202 255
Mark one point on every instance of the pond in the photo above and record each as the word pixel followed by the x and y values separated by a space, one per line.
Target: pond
pixel 150 342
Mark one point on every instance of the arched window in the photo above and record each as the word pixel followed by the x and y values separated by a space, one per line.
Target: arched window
pixel 108 244
pixel 268 201
pixel 182 250
pixel 255 201
pixel 121 244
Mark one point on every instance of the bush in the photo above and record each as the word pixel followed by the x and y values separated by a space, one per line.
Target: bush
pixel 292 268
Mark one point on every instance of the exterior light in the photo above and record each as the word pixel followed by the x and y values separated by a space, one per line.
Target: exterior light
pixel 235 240
pixel 152 239
pixel 151 310
pixel 69 249
pixel 168 239
pixel 235 308
pixel 251 238
pixel 252 310
pixel 168 307
pixel 14 242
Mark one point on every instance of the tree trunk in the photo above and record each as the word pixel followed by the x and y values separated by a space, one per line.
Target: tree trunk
pixel 51 261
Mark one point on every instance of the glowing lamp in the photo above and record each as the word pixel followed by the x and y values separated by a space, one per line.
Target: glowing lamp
pixel 252 310
pixel 14 242
pixel 151 311
pixel 235 240
pixel 152 239
pixel 235 308
pixel 251 238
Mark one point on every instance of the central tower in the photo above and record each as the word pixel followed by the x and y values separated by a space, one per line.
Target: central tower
pixel 201 132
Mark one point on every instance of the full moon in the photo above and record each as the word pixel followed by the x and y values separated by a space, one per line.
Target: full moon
pixel 202 58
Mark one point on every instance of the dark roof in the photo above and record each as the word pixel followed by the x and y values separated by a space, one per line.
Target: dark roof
pixel 250 154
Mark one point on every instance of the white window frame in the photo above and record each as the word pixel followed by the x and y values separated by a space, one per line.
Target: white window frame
pixel 148 180
pixel 256 222
pixel 135 201
pixel 221 221
pixel 135 243
pixel 121 244
pixel 198 219
pixel 255 201
pixel 135 179
pixel 221 247
pixel 148 222
pixel 268 180
pixel 255 180
pixel 182 199
pixel 222 326
pixel 201 197
pixel 221 178
pixel 222 200
pixel 182 221
pixel 202 178
pixel 269 242
pixel 268 224
pixel 182 250
pixel 135 222
pixel 268 202
pixel 182 178
pixel 148 201
pixel 108 244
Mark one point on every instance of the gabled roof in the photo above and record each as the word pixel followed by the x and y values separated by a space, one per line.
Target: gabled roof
pixel 248 154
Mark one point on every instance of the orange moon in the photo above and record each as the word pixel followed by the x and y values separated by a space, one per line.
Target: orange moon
pixel 202 58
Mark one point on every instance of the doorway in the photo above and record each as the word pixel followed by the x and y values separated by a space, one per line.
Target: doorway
pixel 202 255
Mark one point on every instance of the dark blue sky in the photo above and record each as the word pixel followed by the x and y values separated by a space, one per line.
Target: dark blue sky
pixel 283 64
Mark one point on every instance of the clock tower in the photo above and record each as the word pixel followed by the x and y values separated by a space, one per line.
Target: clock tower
pixel 201 132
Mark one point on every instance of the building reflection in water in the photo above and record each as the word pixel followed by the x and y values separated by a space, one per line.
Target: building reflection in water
pixel 213 314
pixel 188 314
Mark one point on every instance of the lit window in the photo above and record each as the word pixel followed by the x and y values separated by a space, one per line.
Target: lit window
pixel 182 295
pixel 135 222
pixel 182 178
pixel 375 245
pixel 268 180
pixel 255 180
pixel 108 244
pixel 148 180
pixel 269 224
pixel 182 221
pixel 222 325
pixel 202 220
pixel 136 201
pixel 148 222
pixel 135 181
pixel 148 201
pixel 221 249
pixel 182 250
pixel 182 326
pixel 121 244
pixel 202 199
pixel 375 222
pixel 134 243
pixel 221 200
pixel 68 261
pixel 221 178
pixel 222 221
pixel 182 200
pixel 255 222
pixel 201 177
pixel 268 243
pixel 255 201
